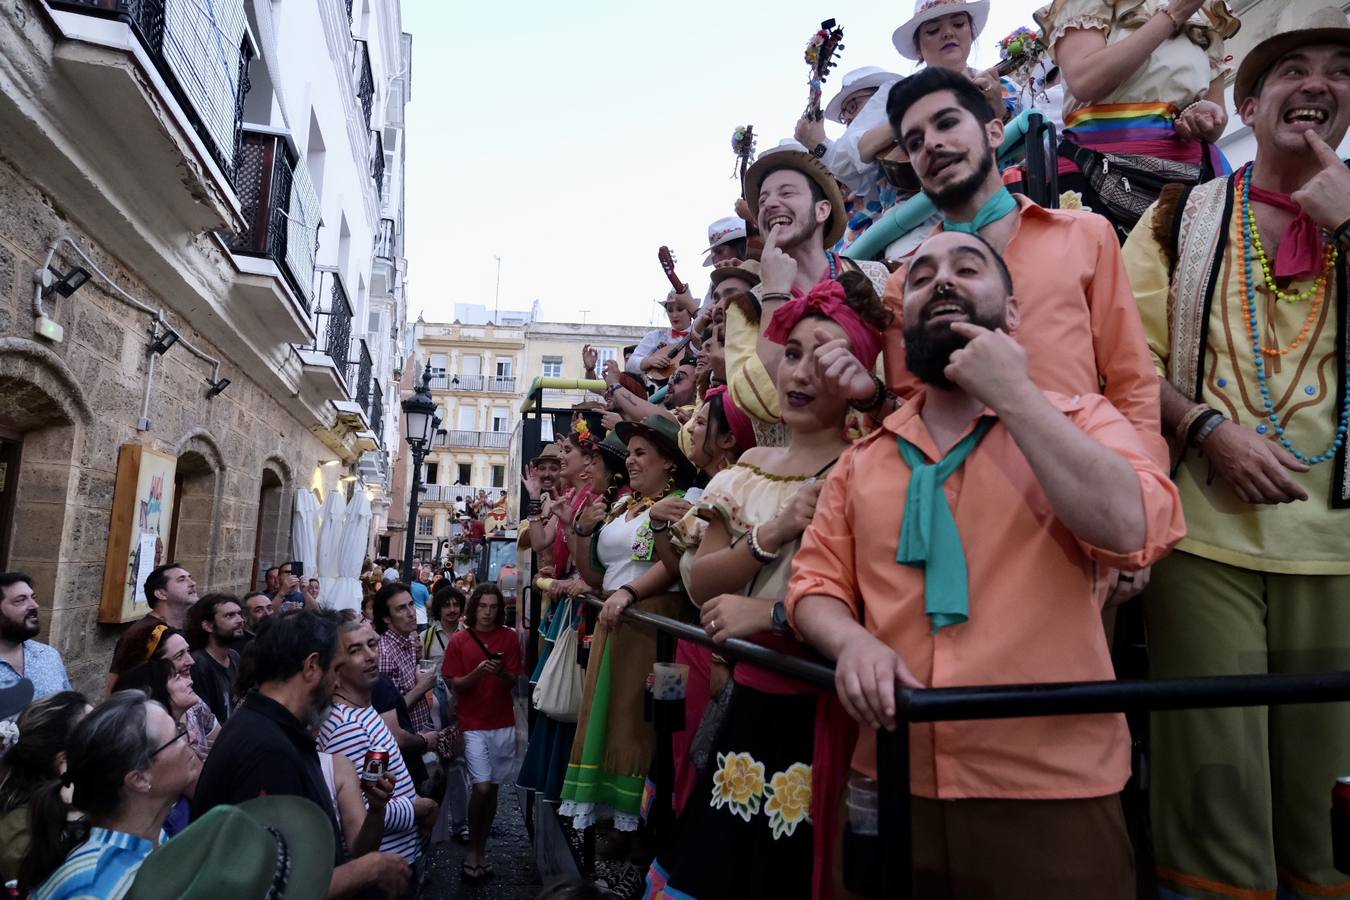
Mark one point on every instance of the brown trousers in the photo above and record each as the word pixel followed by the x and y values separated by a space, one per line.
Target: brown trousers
pixel 1018 850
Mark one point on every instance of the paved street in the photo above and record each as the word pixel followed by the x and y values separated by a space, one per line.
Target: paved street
pixel 512 858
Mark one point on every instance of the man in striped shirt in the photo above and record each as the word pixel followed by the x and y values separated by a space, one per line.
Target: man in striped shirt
pixel 354 727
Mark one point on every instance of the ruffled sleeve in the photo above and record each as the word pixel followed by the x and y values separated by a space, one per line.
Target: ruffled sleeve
pixel 1063 15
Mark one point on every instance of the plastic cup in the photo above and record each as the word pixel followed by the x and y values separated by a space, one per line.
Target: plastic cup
pixel 669 681
pixel 426 665
pixel 862 805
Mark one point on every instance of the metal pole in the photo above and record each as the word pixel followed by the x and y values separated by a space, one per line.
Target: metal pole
pixel 497 294
pixel 893 809
pixel 419 453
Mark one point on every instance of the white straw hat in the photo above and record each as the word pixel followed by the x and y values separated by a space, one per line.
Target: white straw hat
pixel 927 11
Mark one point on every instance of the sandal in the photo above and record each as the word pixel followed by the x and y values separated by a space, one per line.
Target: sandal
pixel 471 874
pixel 485 872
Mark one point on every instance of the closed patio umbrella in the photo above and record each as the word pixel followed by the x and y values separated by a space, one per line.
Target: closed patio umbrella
pixel 330 540
pixel 345 591
pixel 305 529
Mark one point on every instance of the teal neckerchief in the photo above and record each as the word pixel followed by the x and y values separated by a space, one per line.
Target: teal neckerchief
pixel 995 208
pixel 929 539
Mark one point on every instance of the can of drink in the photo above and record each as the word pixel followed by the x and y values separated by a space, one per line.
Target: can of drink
pixel 376 765
pixel 1340 824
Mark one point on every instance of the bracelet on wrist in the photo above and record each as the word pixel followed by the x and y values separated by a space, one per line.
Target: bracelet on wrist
pixel 658 528
pixel 1341 234
pixel 775 295
pixel 630 591
pixel 1183 430
pixel 576 529
pixel 1207 427
pixel 1198 423
pixel 878 397
pixel 758 552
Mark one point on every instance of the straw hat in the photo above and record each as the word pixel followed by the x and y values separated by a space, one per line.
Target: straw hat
pixel 857 80
pixel 927 11
pixel 723 231
pixel 747 271
pixel 1296 26
pixel 791 155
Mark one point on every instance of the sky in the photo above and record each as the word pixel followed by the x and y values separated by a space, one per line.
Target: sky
pixel 574 139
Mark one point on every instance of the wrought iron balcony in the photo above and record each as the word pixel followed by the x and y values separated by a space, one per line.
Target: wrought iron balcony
pixel 377 413
pixel 482 440
pixel 365 81
pixel 281 210
pixel 333 322
pixel 203 54
pixel 453 493
pixel 385 245
pixel 500 385
pixel 377 160
pixel 358 377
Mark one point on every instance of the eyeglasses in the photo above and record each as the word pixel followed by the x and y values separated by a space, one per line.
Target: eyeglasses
pixel 178 735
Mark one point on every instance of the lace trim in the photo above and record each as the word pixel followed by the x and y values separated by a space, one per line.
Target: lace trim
pixel 1085 22
pixel 584 815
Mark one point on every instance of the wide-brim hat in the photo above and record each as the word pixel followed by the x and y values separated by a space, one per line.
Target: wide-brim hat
pixel 665 434
pixel 278 846
pixel 857 80
pixel 1298 25
pixel 550 451
pixel 614 447
pixel 791 155
pixel 747 271
pixel 15 698
pixel 723 231
pixel 927 11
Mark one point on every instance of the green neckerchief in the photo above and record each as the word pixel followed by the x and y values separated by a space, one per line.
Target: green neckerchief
pixel 995 208
pixel 929 539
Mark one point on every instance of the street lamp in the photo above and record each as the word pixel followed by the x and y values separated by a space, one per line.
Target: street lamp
pixel 419 422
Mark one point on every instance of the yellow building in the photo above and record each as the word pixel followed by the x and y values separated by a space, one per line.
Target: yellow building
pixel 553 349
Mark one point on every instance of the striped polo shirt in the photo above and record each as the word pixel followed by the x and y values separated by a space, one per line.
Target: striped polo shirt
pixel 351 731
pixel 102 868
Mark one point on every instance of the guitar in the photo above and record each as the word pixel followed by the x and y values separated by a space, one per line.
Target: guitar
pixel 668 266
pixel 820 53
pixel 743 145
pixel 666 358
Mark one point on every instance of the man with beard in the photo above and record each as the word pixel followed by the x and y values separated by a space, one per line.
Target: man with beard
pixel 215 624
pixel 979 567
pixel 353 727
pixel 169 592
pixel 800 210
pixel 1243 298
pixel 20 655
pixel 267 747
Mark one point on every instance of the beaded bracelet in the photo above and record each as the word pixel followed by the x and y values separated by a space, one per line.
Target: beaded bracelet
pixel 878 397
pixel 758 552
pixel 1209 427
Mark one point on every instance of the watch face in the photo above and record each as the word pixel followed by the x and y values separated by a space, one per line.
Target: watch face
pixel 780 615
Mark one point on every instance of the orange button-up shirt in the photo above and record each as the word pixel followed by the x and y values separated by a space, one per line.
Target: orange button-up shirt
pixel 1034 609
pixel 1080 324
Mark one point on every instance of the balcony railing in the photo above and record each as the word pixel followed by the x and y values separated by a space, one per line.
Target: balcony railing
pixel 358 376
pixel 281 210
pixel 333 322
pixel 385 244
pixel 203 54
pixel 500 385
pixel 365 82
pixel 377 160
pixel 484 440
pixel 377 413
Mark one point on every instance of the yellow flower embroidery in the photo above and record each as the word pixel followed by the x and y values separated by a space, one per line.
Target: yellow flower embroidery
pixel 738 783
pixel 789 796
pixel 1073 200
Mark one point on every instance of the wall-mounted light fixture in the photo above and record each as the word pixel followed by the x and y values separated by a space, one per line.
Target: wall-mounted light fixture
pixel 217 388
pixel 64 284
pixel 163 340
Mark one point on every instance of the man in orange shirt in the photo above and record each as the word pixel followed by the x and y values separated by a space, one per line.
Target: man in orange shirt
pixel 981 567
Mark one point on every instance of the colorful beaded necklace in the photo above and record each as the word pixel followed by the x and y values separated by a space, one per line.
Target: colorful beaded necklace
pixel 1249 221
pixel 1249 242
pixel 834 263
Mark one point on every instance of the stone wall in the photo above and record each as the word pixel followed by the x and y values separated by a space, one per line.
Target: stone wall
pixel 75 403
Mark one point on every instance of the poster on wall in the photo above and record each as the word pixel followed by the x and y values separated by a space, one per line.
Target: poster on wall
pixel 139 531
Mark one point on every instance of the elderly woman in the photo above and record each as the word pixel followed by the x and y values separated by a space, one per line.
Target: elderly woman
pixel 1143 79
pixel 747 829
pixel 615 553
pixel 128 764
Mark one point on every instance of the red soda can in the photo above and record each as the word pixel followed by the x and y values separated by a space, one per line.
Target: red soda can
pixel 376 765
pixel 1340 824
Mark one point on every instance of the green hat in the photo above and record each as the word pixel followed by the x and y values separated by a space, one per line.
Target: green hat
pixel 282 845
pixel 614 446
pixel 665 434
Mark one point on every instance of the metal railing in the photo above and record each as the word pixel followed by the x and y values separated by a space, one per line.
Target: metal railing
pixel 281 210
pixel 333 322
pixel 386 246
pixel 377 160
pixel 452 493
pixel 504 384
pixel 377 413
pixel 203 54
pixel 358 376
pixel 486 440
pixel 1003 701
pixel 365 81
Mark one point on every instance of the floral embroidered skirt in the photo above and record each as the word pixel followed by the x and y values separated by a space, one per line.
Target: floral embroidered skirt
pixel 746 831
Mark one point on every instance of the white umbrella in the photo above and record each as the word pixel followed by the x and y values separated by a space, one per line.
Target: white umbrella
pixel 330 540
pixel 305 529
pixel 344 592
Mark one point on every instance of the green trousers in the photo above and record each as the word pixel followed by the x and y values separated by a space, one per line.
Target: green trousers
pixel 1241 797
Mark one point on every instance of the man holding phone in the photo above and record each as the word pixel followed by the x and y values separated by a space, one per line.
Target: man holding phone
pixel 481 664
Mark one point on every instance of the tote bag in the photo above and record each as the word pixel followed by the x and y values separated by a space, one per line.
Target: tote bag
pixel 558 693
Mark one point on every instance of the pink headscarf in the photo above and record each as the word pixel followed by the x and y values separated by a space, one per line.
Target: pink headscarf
pixel 828 298
pixel 741 429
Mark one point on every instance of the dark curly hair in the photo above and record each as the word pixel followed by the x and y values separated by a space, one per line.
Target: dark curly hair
pixel 862 299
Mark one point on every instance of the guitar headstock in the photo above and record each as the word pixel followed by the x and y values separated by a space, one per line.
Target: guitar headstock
pixel 668 266
pixel 743 145
pixel 821 50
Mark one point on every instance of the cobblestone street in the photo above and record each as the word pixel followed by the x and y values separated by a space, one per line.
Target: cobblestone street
pixel 511 853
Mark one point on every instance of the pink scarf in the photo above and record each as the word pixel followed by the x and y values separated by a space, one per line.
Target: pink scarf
pixel 741 429
pixel 827 298
pixel 1300 253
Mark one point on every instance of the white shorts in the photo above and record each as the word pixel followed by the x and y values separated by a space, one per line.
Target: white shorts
pixel 490 755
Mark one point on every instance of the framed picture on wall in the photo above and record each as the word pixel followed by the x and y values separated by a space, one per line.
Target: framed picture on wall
pixel 141 517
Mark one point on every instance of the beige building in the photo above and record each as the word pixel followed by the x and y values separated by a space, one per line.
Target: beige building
pixel 553 349
pixel 477 386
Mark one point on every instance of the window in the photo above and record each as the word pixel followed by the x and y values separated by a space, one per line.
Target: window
pixel 602 355
pixel 503 367
pixel 499 476
pixel 468 418
pixel 433 469
pixel 501 416
pixel 465 473
pixel 437 365
pixel 552 366
pixel 471 365
pixel 426 526
pixel 373 323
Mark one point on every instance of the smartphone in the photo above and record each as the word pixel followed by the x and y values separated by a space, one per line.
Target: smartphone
pixel 297 568
pixel 693 494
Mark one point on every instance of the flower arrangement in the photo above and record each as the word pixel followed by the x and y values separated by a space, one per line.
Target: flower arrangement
pixel 1022 42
